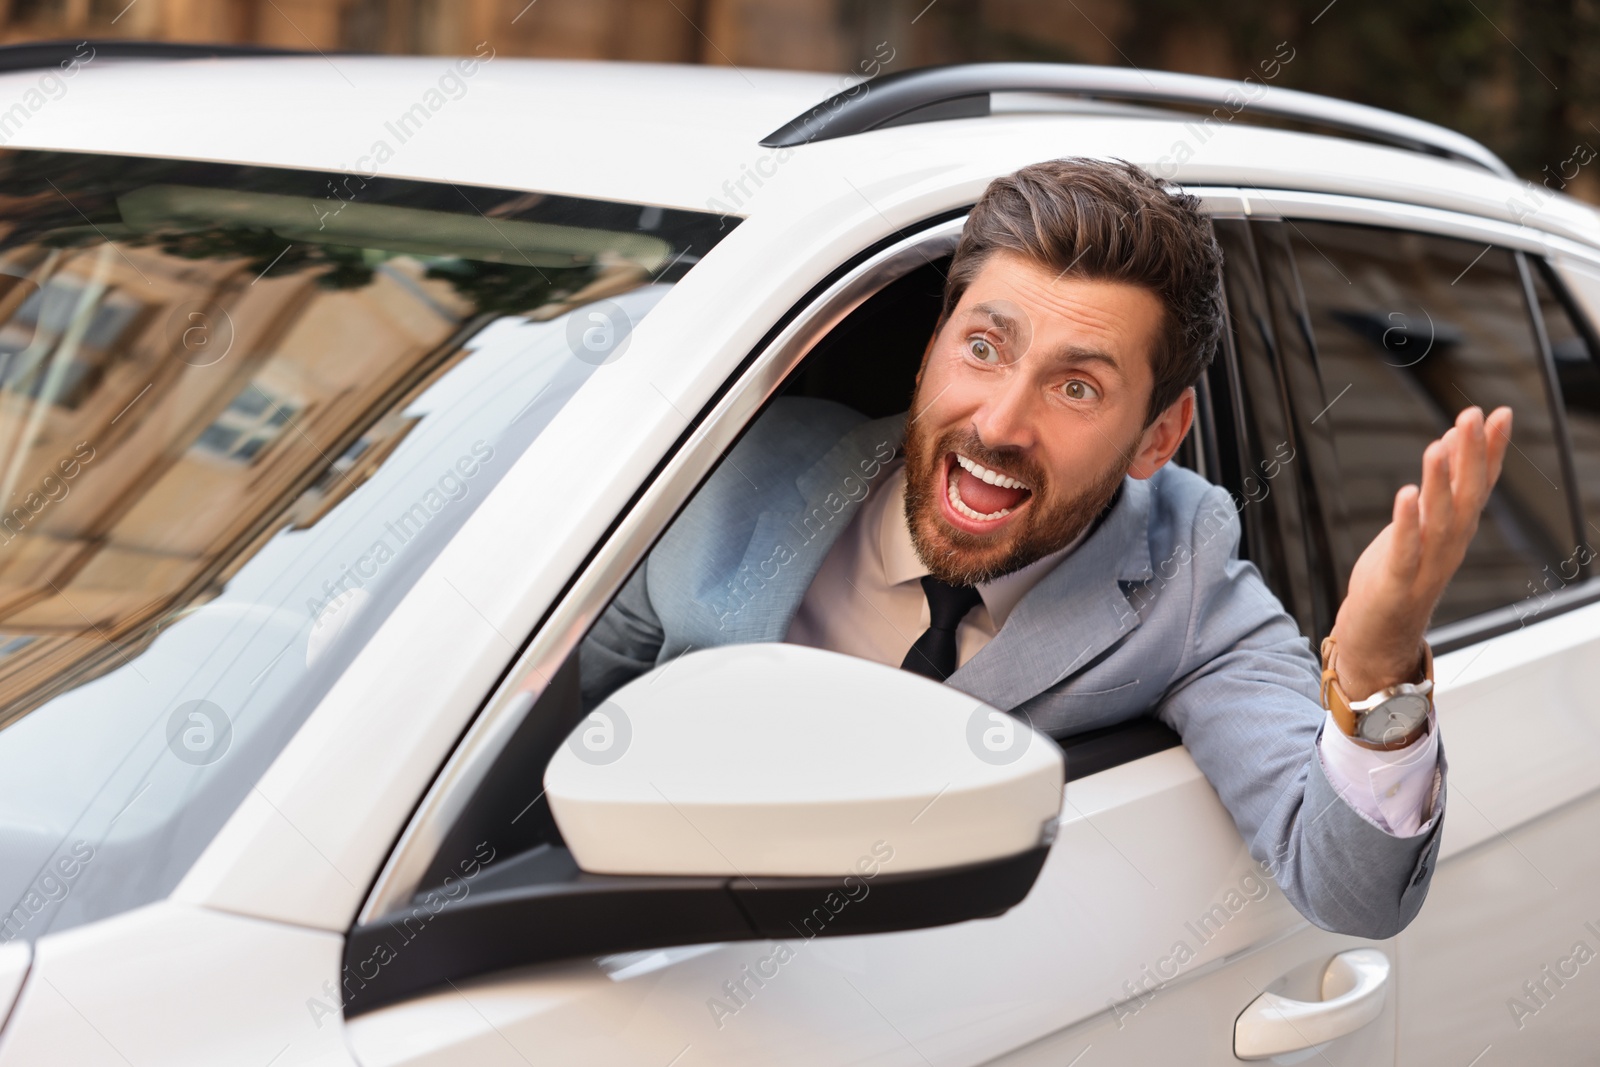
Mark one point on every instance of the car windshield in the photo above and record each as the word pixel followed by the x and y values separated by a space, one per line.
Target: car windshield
pixel 241 410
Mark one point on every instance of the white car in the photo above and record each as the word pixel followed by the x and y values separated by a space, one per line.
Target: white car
pixel 340 395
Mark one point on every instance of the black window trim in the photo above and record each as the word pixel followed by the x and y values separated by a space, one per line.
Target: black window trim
pixel 1267 521
pixel 1321 512
pixel 1550 274
pixel 1470 631
pixel 1553 397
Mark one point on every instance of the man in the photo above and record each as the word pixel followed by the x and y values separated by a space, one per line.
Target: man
pixel 1035 550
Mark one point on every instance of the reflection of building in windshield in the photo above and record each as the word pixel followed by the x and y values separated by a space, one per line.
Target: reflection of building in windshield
pixel 194 356
pixel 209 399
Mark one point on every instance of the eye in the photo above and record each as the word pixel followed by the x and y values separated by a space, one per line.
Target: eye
pixel 1078 389
pixel 983 350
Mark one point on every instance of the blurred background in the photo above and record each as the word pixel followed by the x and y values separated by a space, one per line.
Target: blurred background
pixel 1511 73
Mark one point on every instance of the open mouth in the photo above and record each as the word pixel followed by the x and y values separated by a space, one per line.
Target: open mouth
pixel 978 498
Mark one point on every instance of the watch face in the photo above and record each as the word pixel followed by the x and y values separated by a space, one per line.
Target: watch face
pixel 1394 718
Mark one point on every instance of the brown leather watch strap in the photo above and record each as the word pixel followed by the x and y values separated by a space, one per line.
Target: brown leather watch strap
pixel 1337 701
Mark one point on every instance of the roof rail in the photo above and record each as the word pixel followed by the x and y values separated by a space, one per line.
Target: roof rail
pixel 36 55
pixel 929 94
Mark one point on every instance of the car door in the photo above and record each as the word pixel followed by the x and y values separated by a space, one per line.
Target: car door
pixel 1148 932
pixel 1411 322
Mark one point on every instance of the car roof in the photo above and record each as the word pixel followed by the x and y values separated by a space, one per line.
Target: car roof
pixel 673 135
pixel 651 133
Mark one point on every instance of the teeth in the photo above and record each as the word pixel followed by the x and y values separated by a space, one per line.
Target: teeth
pixel 978 470
pixel 961 505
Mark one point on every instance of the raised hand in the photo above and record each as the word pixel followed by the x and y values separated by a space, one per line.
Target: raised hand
pixel 1403 572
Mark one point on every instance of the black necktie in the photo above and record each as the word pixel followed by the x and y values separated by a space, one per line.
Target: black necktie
pixel 934 654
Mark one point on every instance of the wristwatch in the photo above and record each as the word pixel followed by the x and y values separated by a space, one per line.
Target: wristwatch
pixel 1391 718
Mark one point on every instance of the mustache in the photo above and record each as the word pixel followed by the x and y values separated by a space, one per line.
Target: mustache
pixel 1011 461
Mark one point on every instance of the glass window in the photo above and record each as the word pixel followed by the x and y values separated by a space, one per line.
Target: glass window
pixel 1411 328
pixel 1579 375
pixel 241 409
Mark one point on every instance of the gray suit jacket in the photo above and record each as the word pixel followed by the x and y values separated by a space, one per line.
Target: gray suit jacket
pixel 1153 614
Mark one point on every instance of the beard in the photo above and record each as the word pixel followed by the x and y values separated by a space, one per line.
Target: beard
pixel 1052 518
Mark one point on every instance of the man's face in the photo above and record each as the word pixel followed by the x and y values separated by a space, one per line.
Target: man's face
pixel 1029 409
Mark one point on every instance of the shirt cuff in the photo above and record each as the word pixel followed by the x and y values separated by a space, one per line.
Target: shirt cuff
pixel 1394 790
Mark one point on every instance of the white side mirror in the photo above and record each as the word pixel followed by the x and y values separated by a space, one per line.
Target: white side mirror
pixel 750 793
pixel 782 761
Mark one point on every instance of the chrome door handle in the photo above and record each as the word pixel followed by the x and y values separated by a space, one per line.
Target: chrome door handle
pixel 1353 990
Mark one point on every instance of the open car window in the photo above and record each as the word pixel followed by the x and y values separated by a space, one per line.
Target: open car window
pixel 865 363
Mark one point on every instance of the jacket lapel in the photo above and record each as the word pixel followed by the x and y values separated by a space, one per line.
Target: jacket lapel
pixel 1072 615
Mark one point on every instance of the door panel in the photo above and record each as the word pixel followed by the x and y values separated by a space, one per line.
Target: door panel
pixel 1189 1021
pixel 1147 900
pixel 1518 885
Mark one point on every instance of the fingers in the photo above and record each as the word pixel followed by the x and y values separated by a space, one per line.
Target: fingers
pixel 1469 464
pixel 1497 432
pixel 1406 547
pixel 1433 524
pixel 1437 506
pixel 1477 451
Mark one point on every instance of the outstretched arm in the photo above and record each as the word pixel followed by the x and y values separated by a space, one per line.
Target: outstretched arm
pixel 1247 706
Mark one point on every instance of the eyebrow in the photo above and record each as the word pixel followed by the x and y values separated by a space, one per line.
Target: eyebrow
pixel 1078 354
pixel 995 315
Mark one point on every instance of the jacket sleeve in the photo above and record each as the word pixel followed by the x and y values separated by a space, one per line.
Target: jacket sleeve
pixel 1246 701
pixel 623 644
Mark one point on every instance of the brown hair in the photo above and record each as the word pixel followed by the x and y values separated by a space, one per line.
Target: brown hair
pixel 1112 221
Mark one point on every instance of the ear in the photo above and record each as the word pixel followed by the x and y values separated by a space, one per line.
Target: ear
pixel 1162 437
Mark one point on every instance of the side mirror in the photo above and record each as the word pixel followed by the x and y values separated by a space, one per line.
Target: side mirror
pixel 749 792
pixel 778 761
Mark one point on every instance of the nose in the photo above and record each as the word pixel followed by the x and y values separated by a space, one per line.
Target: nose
pixel 1006 418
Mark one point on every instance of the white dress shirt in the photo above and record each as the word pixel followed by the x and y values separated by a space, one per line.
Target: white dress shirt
pixel 867 601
